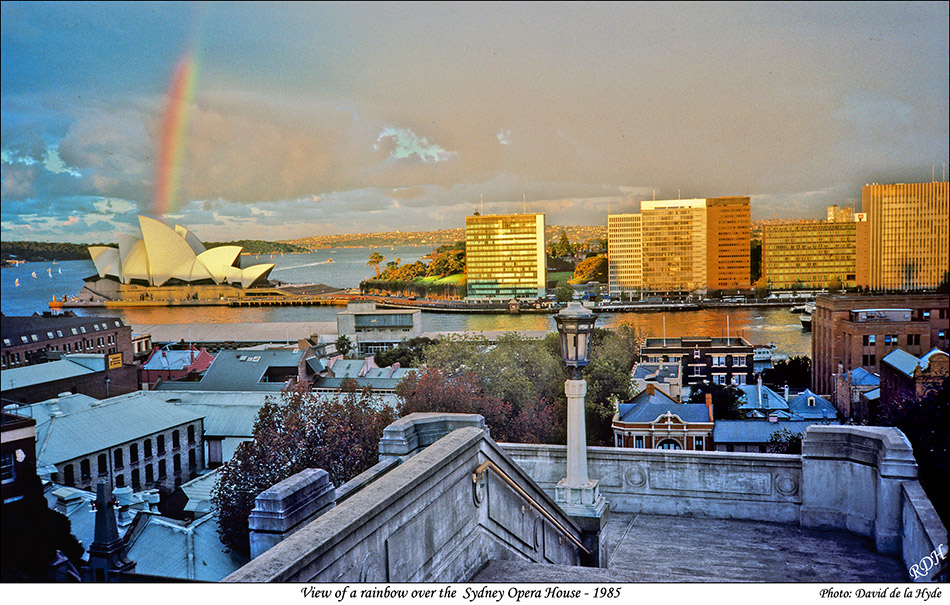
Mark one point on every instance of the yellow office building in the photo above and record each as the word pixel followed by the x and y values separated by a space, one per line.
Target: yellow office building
pixel 625 259
pixel 815 254
pixel 907 234
pixel 505 256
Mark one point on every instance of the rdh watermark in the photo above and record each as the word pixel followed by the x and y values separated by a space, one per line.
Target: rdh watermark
pixel 928 562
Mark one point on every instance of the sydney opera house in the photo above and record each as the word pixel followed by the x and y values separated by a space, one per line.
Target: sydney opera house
pixel 170 263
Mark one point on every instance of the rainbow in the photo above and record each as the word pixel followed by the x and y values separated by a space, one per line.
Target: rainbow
pixel 172 136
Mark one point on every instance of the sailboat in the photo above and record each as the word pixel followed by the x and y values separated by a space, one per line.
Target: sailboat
pixel 59 270
pixel 49 272
pixel 34 275
pixel 16 283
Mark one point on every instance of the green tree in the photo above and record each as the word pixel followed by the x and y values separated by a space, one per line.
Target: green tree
pixel 794 372
pixel 343 344
pixel 608 379
pixel 375 259
pixel 785 441
pixel 563 247
pixel 725 399
pixel 293 432
pixel 408 354
pixel 591 269
pixel 564 292
pixel 924 421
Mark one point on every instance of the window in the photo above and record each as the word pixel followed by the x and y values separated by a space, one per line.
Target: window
pixel 149 474
pixel 719 378
pixel 136 483
pixel 74 332
pixel 638 441
pixel 192 459
pixel 890 339
pixel 942 334
pixel 8 467
pixel 868 360
pixel 25 339
pixel 176 462
pixel 719 361
pixel 738 361
pixel 697 370
pixel 869 340
pixel 162 473
pixel 913 339
pixel 176 440
pixel 669 444
pixel 618 440
pixel 161 444
pixel 68 478
pixel 698 443
pixel 738 379
pixel 133 453
pixel 103 464
pixel 117 456
pixel 191 433
pixel 84 470
pixel 34 337
pixel 696 353
pixel 50 335
pixel 811 402
pixel 120 480
pixel 148 448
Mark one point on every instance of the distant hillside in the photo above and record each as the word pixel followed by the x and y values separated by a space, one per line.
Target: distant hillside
pixel 431 238
pixel 50 251
pixel 258 246
pixel 45 251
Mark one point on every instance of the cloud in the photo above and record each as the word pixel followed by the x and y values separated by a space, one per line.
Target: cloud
pixel 403 143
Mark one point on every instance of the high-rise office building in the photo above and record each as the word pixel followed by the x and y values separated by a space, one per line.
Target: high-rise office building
pixel 625 253
pixel 692 245
pixel 505 256
pixel 907 235
pixel 814 254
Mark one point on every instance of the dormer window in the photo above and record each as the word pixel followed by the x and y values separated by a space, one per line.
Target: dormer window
pixel 811 402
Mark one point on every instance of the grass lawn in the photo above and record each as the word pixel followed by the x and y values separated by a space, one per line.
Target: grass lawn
pixel 560 276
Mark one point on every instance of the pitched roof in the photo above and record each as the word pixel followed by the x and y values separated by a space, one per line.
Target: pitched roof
pixel 42 373
pixel 103 425
pixel 820 408
pixel 861 377
pixel 15 327
pixel 760 397
pixel 650 404
pixel 178 360
pixel 244 370
pixel 656 371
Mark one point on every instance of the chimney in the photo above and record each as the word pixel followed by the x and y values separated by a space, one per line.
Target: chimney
pixel 649 390
pixel 709 406
pixel 759 390
pixel 786 392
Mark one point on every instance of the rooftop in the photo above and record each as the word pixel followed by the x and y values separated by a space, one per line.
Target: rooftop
pixel 659 548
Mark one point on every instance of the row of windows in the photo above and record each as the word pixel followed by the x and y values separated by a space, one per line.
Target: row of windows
pixel 135 475
pixel 59 333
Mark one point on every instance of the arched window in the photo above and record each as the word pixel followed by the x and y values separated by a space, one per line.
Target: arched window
pixel 118 458
pixel 103 464
pixel 147 449
pixel 68 477
pixel 669 444
pixel 161 444
pixel 191 433
pixel 135 479
pixel 176 440
pixel 84 469
pixel 149 474
pixel 120 480
pixel 133 453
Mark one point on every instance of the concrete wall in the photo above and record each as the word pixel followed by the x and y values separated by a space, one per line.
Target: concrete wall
pixel 426 520
pixel 924 543
pixel 762 487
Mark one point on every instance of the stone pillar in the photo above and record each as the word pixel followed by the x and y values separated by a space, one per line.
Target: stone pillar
pixel 284 508
pixel 577 494
pixel 851 479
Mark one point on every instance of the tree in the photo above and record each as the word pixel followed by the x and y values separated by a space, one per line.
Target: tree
pixel 343 344
pixel 794 372
pixel 563 247
pixel 520 373
pixel 785 441
pixel 564 292
pixel 375 259
pixel 32 536
pixel 408 354
pixel 608 379
pixel 725 399
pixel 761 288
pixel 923 421
pixel 293 432
pixel 834 284
pixel 591 269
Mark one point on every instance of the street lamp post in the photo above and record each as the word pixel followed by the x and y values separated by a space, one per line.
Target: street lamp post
pixel 577 494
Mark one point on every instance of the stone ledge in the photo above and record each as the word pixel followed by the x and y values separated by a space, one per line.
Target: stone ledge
pixel 421 429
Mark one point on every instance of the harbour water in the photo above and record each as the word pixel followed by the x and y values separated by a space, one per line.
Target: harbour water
pixel 776 325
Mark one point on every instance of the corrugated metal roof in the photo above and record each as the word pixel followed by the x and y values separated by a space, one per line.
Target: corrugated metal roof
pixel 42 373
pixel 171 360
pixel 901 361
pixel 198 491
pixel 242 370
pixel 770 400
pixel 755 431
pixel 163 548
pixel 821 409
pixel 861 377
pixel 104 425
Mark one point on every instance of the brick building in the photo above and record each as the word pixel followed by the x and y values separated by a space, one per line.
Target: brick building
pixel 905 376
pixel 858 331
pixel 18 451
pixel 95 375
pixel 654 420
pixel 39 338
pixel 703 359
pixel 131 440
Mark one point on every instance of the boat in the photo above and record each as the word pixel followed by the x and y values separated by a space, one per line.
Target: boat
pixel 763 352
pixel 806 321
pixel 16 282
pixel 330 260
pixel 49 271
pixel 34 274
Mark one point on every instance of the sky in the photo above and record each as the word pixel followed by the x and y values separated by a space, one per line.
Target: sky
pixel 285 120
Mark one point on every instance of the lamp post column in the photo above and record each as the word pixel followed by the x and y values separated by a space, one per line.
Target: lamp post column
pixel 576 433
